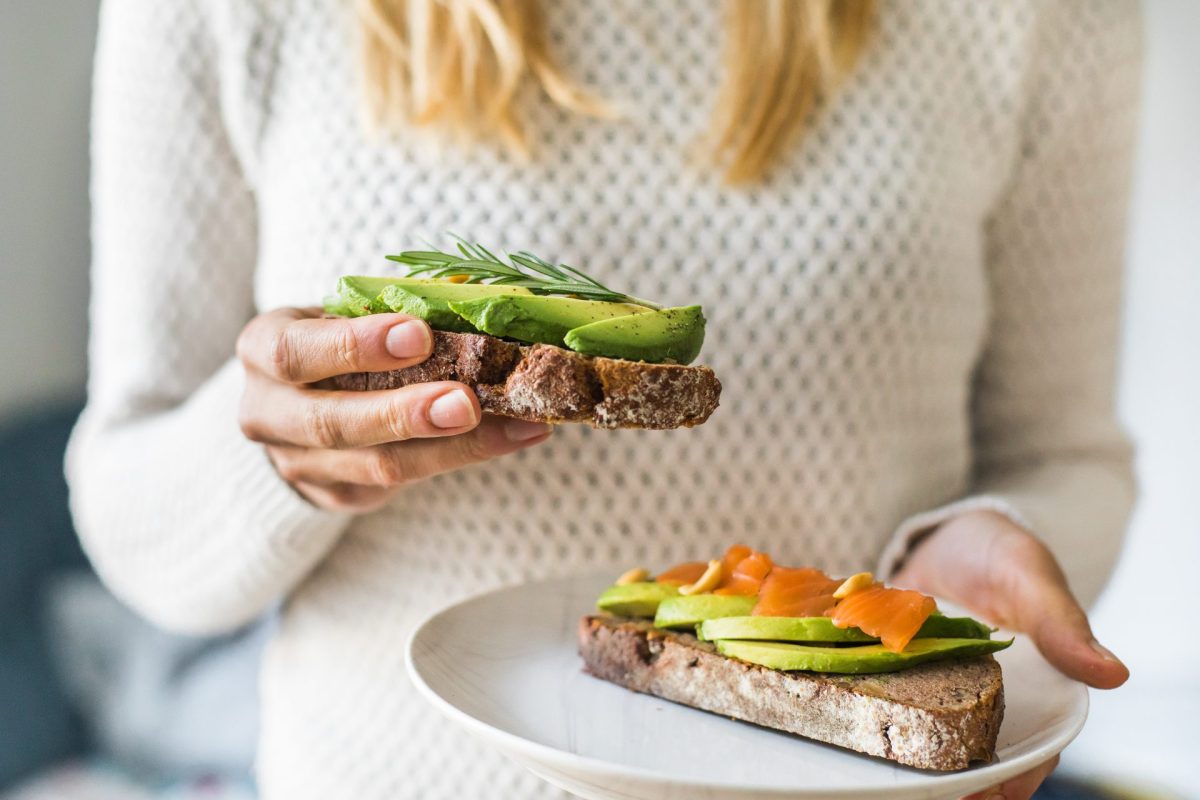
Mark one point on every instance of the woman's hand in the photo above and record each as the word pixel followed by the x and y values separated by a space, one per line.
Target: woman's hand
pixel 991 566
pixel 352 451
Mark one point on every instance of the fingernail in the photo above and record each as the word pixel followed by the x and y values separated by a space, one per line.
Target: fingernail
pixel 995 794
pixel 518 430
pixel 452 410
pixel 1105 653
pixel 408 339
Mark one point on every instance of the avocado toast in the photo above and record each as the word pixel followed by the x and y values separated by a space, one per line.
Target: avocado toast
pixel 846 662
pixel 539 341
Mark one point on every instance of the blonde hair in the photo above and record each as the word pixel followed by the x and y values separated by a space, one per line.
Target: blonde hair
pixel 458 65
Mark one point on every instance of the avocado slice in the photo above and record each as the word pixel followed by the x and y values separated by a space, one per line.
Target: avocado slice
pixel 430 300
pixel 336 304
pixel 536 318
pixel 672 334
pixel 689 611
pixel 639 599
pixel 362 294
pixel 590 327
pixel 939 626
pixel 359 296
pixel 860 660
pixel 822 629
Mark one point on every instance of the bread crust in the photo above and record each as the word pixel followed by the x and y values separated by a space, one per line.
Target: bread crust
pixel 543 383
pixel 937 716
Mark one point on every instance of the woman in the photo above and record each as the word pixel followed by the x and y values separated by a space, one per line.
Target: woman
pixel 904 223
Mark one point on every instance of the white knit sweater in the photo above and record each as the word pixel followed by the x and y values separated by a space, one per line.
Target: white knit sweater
pixel 915 314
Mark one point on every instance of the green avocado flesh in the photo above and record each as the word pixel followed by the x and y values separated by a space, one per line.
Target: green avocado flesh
pixel 822 629
pixel 538 319
pixel 672 334
pixel 359 295
pixel 336 304
pixel 590 327
pixel 861 660
pixel 431 301
pixel 636 599
pixel 688 611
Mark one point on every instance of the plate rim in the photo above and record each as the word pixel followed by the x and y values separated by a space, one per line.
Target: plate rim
pixel 569 762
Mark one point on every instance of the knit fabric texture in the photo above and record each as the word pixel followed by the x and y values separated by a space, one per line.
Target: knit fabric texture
pixel 914 314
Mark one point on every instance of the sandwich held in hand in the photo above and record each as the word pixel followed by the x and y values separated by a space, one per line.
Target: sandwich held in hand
pixel 539 341
pixel 847 661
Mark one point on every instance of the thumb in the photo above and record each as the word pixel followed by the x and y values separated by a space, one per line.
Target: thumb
pixel 1048 612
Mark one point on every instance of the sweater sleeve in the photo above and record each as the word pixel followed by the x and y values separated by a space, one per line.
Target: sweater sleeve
pixel 1048 451
pixel 183 518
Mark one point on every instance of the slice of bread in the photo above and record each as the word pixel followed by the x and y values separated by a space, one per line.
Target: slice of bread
pixel 543 383
pixel 939 716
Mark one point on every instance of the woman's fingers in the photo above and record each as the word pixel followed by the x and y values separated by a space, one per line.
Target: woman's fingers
pixel 296 346
pixel 392 465
pixel 1021 787
pixel 1032 586
pixel 350 451
pixel 276 413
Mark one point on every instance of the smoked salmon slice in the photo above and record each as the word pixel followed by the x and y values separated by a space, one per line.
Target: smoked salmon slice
pixel 747 576
pixel 893 615
pixel 799 592
pixel 734 556
pixel 687 572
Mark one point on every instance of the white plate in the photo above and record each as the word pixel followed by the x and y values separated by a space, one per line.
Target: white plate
pixel 504 666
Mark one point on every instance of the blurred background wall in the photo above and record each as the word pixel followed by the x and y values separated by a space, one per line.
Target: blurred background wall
pixel 45 68
pixel 45 71
pixel 1146 730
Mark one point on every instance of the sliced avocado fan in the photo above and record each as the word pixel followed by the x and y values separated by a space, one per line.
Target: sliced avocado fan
pixel 590 327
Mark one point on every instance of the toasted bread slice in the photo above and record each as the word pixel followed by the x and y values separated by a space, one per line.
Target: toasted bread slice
pixel 543 383
pixel 938 716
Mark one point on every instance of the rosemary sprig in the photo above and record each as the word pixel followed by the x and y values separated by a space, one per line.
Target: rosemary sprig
pixel 480 265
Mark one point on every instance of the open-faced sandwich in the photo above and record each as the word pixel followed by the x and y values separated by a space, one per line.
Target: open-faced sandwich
pixel 539 341
pixel 848 662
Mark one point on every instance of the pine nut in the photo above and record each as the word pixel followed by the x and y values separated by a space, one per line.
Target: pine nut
pixel 635 575
pixel 854 583
pixel 708 581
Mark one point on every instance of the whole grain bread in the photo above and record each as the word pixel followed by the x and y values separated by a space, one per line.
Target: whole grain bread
pixel 543 383
pixel 939 716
